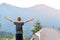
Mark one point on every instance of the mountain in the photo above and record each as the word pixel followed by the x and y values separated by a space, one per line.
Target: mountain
pixel 47 15
pixel 6 34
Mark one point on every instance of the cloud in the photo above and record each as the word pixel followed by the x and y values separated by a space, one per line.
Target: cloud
pixel 1 1
pixel 30 3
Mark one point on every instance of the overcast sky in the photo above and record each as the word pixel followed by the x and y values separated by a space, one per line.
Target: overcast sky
pixel 30 3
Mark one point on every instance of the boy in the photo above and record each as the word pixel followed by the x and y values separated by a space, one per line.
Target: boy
pixel 19 24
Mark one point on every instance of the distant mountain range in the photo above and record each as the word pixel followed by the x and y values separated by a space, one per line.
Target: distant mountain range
pixel 6 34
pixel 47 15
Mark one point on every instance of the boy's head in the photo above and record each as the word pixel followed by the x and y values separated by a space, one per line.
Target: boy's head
pixel 19 18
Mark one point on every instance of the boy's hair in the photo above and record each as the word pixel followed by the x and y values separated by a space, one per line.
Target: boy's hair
pixel 19 18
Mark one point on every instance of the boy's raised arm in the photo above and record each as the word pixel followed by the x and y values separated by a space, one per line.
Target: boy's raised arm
pixel 11 20
pixel 29 20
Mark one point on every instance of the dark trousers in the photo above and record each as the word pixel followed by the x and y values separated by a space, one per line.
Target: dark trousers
pixel 19 36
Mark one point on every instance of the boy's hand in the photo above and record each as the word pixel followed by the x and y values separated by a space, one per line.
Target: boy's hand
pixel 5 17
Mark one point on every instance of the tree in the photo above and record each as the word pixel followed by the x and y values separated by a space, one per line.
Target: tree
pixel 37 27
pixel 58 29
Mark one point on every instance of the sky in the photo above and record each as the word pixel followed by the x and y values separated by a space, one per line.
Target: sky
pixel 30 3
